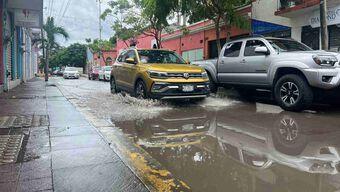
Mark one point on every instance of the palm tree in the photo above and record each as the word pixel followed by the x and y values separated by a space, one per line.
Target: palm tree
pixel 49 43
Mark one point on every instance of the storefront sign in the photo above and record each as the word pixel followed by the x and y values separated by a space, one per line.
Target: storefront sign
pixel 28 18
pixel 333 17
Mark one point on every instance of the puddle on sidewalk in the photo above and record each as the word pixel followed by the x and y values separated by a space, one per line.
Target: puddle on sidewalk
pixel 243 148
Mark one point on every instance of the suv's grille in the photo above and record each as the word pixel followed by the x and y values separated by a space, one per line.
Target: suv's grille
pixel 181 75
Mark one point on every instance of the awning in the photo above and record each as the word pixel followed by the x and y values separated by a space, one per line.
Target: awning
pixel 262 27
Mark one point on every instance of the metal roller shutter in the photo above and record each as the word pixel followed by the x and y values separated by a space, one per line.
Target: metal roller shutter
pixel 334 38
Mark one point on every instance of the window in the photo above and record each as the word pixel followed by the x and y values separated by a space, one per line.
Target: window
pixel 283 45
pixel 193 55
pixel 251 46
pixel 233 49
pixel 121 56
pixel 128 54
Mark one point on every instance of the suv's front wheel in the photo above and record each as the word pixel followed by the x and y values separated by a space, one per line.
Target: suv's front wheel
pixel 140 90
pixel 293 93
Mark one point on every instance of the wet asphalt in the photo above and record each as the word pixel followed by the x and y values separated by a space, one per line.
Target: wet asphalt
pixel 224 143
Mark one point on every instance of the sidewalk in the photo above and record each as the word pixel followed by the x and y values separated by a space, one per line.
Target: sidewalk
pixel 47 145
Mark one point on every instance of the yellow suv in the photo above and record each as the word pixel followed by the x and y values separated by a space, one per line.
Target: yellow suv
pixel 158 74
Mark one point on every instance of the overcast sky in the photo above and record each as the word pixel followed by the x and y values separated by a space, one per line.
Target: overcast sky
pixel 80 19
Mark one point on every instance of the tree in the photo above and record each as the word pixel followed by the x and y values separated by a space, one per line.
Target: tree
pixel 217 11
pixel 148 17
pixel 157 13
pixel 49 42
pixel 126 17
pixel 73 56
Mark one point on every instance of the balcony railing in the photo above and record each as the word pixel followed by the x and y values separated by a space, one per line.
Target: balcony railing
pixel 285 4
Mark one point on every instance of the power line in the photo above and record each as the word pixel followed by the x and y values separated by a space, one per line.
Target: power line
pixel 49 8
pixel 65 10
pixel 52 5
pixel 60 11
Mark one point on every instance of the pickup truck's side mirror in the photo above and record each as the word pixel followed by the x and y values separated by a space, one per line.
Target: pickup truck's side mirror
pixel 262 50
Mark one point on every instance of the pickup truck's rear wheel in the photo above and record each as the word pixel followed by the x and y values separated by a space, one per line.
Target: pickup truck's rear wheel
pixel 293 93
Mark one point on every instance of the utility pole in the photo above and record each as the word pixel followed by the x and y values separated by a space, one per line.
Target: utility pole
pixel 100 27
pixel 323 24
pixel 100 20
pixel 44 55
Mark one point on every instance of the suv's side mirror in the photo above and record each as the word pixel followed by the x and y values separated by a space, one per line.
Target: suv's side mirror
pixel 262 50
pixel 130 60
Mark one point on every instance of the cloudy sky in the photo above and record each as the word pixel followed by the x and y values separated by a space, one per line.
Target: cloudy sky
pixel 79 18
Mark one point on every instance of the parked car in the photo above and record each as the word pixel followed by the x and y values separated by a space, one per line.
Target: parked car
pixel 55 72
pixel 60 72
pixel 159 74
pixel 105 73
pixel 291 70
pixel 94 73
pixel 71 72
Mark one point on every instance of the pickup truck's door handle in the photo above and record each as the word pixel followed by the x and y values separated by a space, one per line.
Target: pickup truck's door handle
pixel 222 62
pixel 243 61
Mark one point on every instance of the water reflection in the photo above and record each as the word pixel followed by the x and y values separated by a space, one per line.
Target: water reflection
pixel 244 148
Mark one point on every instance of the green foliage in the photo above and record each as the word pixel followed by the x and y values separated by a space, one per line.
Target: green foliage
pixel 105 45
pixel 132 18
pixel 49 41
pixel 73 55
pixel 127 20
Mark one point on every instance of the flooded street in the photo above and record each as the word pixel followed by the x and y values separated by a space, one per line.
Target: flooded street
pixel 222 143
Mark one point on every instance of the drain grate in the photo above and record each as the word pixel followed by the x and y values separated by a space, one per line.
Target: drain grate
pixel 10 146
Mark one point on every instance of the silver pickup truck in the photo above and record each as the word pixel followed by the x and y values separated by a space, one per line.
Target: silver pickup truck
pixel 291 70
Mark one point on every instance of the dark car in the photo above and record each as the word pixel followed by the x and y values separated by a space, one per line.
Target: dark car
pixel 94 73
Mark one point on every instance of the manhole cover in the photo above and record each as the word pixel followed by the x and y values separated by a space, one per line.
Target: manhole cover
pixel 9 148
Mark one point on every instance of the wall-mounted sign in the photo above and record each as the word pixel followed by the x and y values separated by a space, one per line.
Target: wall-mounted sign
pixel 27 18
pixel 333 17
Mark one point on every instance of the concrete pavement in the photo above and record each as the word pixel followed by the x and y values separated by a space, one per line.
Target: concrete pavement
pixel 47 145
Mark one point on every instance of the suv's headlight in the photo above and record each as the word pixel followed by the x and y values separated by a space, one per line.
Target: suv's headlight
pixel 158 74
pixel 204 75
pixel 325 60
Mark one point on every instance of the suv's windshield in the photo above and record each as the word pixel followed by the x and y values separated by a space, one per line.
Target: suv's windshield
pixel 70 69
pixel 283 45
pixel 160 57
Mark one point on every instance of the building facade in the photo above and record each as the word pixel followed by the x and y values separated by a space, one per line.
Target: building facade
pixel 297 19
pixel 18 61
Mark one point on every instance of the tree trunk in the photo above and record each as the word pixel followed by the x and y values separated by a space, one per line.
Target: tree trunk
pixel 160 39
pixel 217 30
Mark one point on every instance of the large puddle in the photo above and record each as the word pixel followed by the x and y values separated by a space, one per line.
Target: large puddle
pixel 243 147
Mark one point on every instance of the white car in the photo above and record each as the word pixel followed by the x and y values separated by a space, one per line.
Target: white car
pixel 71 72
pixel 105 73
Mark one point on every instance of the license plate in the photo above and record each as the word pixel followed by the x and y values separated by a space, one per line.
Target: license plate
pixel 188 88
